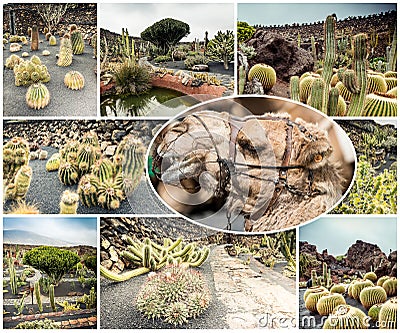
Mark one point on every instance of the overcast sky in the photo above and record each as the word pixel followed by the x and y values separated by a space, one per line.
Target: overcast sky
pixel 338 233
pixel 77 230
pixel 200 17
pixel 288 13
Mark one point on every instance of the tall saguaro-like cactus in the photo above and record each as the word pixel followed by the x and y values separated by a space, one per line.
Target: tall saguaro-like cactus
pixel 393 53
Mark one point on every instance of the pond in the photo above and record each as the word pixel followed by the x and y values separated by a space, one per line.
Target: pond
pixel 157 102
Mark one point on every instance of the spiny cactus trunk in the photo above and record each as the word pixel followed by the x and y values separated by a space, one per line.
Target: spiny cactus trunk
pixel 52 298
pixel 38 296
pixel 295 88
pixel 242 79
pixel 393 53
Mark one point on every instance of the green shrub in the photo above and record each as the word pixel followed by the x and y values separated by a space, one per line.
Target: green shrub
pixel 244 31
pixel 53 261
pixel 197 59
pixel 91 262
pixel 132 79
pixel 162 58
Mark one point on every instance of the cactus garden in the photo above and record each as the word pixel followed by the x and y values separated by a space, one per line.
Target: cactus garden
pixel 146 63
pixel 49 59
pixel 342 66
pixel 168 273
pixel 49 273
pixel 342 278
pixel 75 167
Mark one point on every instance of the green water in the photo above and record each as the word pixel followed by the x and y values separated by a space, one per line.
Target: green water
pixel 157 102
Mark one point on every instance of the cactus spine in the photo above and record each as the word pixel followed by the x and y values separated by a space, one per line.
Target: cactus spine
pixel 388 314
pixel 263 73
pixel 372 295
pixel 69 202
pixel 22 182
pixel 38 296
pixel 35 38
pixel 52 298
pixel 359 65
pixel 37 96
pixel 295 88
pixel 326 304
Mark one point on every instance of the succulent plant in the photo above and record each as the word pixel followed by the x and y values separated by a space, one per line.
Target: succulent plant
pixel 380 105
pixel 45 53
pixel 53 163
pixel 15 47
pixel 93 43
pixel 315 289
pixel 265 74
pixel 25 55
pixel 376 83
pixel 52 41
pixel 65 53
pixel 37 96
pixel 370 276
pixel 388 314
pixel 13 60
pixel 39 324
pixel 306 81
pixel 91 139
pixel 295 88
pixel 343 91
pixel 346 317
pixel 15 155
pixel 78 45
pixel 382 279
pixel 38 296
pixel 13 276
pixel 358 286
pixel 52 298
pixel 34 38
pixel 19 188
pixel 316 97
pixel 110 194
pixel 312 300
pixel 327 303
pixel 374 310
pixel 87 155
pixel 68 173
pixel 175 294
pixel 372 295
pixel 69 202
pixel 103 169
pixel 28 72
pixel 338 288
pixel 390 286
pixel 74 80
pixel 391 82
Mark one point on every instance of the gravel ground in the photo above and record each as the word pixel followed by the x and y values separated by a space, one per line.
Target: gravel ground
pixel 63 102
pixel 46 189
pixel 118 306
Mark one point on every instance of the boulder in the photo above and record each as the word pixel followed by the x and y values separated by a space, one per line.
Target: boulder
pixel 284 56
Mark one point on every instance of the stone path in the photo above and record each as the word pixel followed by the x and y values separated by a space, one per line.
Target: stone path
pixel 255 296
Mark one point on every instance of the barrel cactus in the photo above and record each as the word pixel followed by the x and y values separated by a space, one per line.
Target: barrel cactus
pixel 388 314
pixel 382 279
pixel 372 295
pixel 15 155
pixel 19 188
pixel 312 300
pixel 358 286
pixel 69 202
pixel 37 96
pixel 110 194
pixel 53 163
pixel 13 60
pixel 390 74
pixel 265 74
pixel 327 303
pixel 52 41
pixel 316 289
pixel 338 288
pixel 380 105
pixel 346 317
pixel 390 286
pixel 305 86
pixel 343 91
pixel 87 190
pixel 65 53
pixel 78 45
pixel 391 82
pixel 87 155
pixel 370 276
pixel 376 83
pixel 175 294
pixel 103 169
pixel 74 80
pixel 374 310
pixel 68 173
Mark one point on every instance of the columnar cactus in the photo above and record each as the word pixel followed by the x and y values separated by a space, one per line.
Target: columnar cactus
pixel 317 94
pixel 242 79
pixel 327 303
pixel 38 296
pixel 176 294
pixel 390 286
pixel 65 53
pixel 35 38
pixel 93 43
pixel 52 298
pixel 13 276
pixel 388 314
pixel 78 45
pixel 295 88
pixel 265 74
pixel 37 96
pixel 52 41
pixel 359 47
pixel 69 202
pixel 346 317
pixel 74 80
pixel 372 295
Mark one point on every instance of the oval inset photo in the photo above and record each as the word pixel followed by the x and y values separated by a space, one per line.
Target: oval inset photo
pixel 251 164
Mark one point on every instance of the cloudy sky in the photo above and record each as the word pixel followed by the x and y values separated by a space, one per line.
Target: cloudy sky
pixel 137 17
pixel 77 230
pixel 282 13
pixel 338 233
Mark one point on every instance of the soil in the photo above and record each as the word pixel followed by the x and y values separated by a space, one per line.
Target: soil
pixel 63 101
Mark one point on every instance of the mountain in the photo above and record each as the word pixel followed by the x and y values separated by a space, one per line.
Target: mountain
pixel 15 236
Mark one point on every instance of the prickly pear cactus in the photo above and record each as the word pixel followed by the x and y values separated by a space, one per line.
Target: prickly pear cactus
pixel 372 295
pixel 37 96
pixel 74 80
pixel 265 74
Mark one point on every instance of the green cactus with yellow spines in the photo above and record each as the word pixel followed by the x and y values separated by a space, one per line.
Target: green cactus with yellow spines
pixel 53 162
pixel 391 82
pixel 358 286
pixel 376 83
pixel 346 317
pixel 338 288
pixel 52 298
pixel 305 85
pixel 87 190
pixel 372 295
pixel 317 94
pixel 91 138
pixel 12 61
pixel 69 202
pixel 388 314
pixel 388 74
pixel 327 303
pixel 77 43
pixel 103 169
pixel 86 157
pixel 312 300
pixel 74 80
pixel 30 71
pixel 65 53
pixel 38 96
pixel 38 296
pixel 110 194
pixel 264 73
pixel 390 286
pixel 22 182
pixel 392 92
pixel 374 310
pixel 380 105
pixel 15 155
pixel 68 173
pixel 370 276
pixel 52 41
pixel 382 279
pixel 295 88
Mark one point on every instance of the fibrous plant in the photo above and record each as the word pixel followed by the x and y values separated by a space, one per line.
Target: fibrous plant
pixel 265 74
pixel 69 202
pixel 175 294
pixel 372 295
pixel 327 303
pixel 149 256
pixel 74 80
pixel 346 317
pixel 388 314
pixel 37 96
pixel 132 79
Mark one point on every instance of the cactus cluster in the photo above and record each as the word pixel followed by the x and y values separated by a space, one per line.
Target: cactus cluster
pixel 30 71
pixel 12 61
pixel 325 280
pixel 175 294
pixel 39 324
pixel 149 256
pixel 313 298
pixel 74 80
pixel 89 300
pixel 358 286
